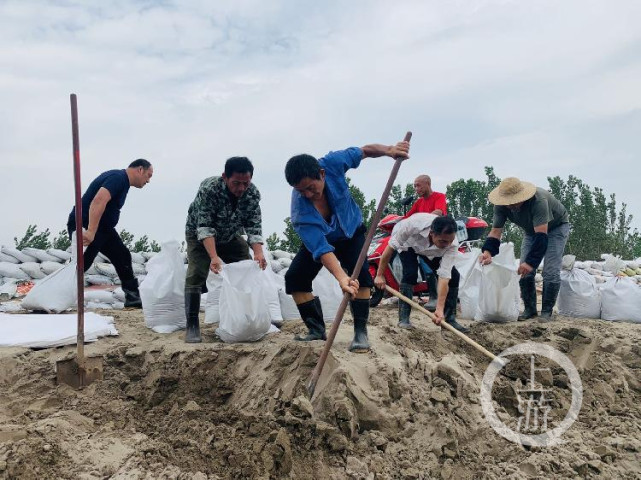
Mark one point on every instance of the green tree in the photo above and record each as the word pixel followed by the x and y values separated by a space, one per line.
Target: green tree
pixel 291 241
pixel 154 246
pixel 127 238
pixel 33 239
pixel 142 244
pixel 394 205
pixel 273 242
pixel 367 208
pixel 61 241
pixel 598 226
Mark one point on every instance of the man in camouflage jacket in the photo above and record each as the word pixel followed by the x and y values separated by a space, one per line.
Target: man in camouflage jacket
pixel 225 207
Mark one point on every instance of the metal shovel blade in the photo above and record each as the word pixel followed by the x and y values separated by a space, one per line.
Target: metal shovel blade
pixel 70 373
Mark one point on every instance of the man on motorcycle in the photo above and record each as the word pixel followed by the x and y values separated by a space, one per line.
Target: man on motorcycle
pixel 433 238
pixel 330 225
pixel 433 202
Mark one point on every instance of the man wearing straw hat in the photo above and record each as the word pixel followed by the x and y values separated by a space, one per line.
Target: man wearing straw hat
pixel 546 225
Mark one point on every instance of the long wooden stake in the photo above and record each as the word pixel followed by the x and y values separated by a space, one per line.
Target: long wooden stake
pixel 80 272
pixel 311 386
pixel 444 324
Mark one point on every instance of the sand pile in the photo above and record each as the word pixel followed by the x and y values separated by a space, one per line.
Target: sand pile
pixel 410 409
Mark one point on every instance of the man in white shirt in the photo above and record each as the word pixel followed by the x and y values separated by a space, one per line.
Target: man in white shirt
pixel 433 238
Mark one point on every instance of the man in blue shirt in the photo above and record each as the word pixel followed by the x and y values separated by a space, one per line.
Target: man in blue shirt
pixel 330 225
pixel 101 206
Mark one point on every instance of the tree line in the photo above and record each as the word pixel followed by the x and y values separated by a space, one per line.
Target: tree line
pixel 599 225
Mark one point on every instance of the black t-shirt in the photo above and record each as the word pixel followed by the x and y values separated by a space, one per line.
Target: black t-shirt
pixel 117 182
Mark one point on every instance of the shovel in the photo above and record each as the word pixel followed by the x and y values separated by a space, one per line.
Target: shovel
pixel 80 371
pixel 311 386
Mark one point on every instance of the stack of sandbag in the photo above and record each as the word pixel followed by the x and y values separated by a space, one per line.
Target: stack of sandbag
pixel 611 266
pixel 491 293
pixel 103 300
pixel 163 290
pixel 29 263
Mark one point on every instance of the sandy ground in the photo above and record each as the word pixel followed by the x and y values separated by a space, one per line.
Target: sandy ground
pixel 408 409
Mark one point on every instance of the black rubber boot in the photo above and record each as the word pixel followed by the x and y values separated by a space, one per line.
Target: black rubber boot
pixel 312 315
pixel 192 309
pixel 360 312
pixel 528 294
pixel 404 308
pixel 431 289
pixel 132 295
pixel 449 312
pixel 548 300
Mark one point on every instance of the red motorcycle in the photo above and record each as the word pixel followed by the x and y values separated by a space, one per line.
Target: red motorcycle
pixel 469 233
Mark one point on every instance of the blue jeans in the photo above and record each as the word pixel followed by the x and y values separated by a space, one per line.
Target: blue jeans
pixel 557 239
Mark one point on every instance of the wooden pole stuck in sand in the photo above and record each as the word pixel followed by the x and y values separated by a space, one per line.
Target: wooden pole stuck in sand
pixel 311 386
pixel 444 324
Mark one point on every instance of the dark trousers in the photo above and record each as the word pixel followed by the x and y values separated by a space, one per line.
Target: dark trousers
pixel 108 242
pixel 304 268
pixel 199 260
pixel 409 260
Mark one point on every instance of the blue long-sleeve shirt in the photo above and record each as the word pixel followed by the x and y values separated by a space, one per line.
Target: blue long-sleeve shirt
pixel 315 232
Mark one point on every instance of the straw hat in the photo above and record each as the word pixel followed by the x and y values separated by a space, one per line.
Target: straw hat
pixel 512 190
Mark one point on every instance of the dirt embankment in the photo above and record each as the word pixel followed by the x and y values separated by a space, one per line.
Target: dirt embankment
pixel 409 409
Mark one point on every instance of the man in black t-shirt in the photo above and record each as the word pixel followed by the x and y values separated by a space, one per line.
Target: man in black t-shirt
pixel 101 206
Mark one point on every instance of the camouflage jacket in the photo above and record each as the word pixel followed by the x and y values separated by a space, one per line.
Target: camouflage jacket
pixel 212 214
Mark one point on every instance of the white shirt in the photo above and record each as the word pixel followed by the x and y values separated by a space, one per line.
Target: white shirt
pixel 413 232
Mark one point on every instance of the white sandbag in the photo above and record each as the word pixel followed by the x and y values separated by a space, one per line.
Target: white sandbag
pixel 60 254
pixel 8 290
pixel 98 280
pixel 288 309
pixel 32 269
pixel 17 254
pixel 465 262
pixel 271 289
pixel 92 270
pixel 496 288
pixel 271 294
pixel 119 294
pixel 278 254
pixel 99 306
pixel 568 261
pixel 244 316
pixel 55 293
pixel 102 258
pixel 10 307
pixel 597 266
pixel 9 259
pixel 106 269
pixel 118 305
pixel 582 265
pixel 148 255
pixel 40 255
pixel 136 257
pixel 163 290
pixel 49 267
pixel 285 262
pixel 139 269
pixel 621 300
pixel 276 266
pixel 99 296
pixel 327 289
pixel 13 270
pixel 578 295
pixel 214 284
pixel 43 331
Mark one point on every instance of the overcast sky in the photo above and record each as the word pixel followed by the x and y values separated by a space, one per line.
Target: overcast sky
pixel 533 88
